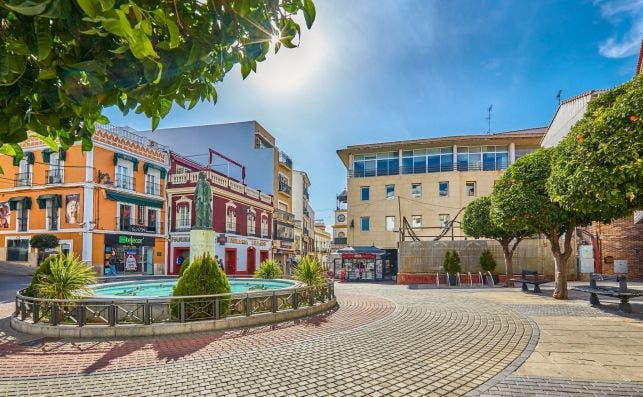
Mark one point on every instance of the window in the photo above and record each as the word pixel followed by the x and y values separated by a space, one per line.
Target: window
pixel 365 223
pixel 438 159
pixel 384 163
pixel 140 218
pixel 390 191
pixel 444 220
pixel 443 188
pixel 231 220
pixel 124 178
pixel 182 170
pixel 469 158
pixel 125 216
pixel 183 216
pixel 264 226
pixel 416 190
pixel 152 220
pixel 151 185
pixel 470 188
pixel 55 173
pixel 389 223
pixel 495 158
pixel 52 215
pixel 22 216
pixel 341 235
pixel 251 224
pixel 23 178
pixel 523 151
pixel 416 221
pixel 366 193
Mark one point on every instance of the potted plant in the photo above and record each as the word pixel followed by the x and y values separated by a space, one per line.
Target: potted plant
pixel 452 266
pixel 488 264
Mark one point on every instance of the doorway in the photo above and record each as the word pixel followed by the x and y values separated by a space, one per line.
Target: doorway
pixel 263 256
pixel 251 260
pixel 230 261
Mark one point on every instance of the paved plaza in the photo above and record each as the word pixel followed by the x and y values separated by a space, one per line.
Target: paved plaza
pixel 382 340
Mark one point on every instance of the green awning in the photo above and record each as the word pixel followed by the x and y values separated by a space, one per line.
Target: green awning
pixel 122 156
pixel 13 202
pixel 126 198
pixel 46 155
pixel 55 198
pixel 147 166
pixel 29 156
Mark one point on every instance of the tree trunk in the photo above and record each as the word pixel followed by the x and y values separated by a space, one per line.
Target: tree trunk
pixel 560 260
pixel 508 261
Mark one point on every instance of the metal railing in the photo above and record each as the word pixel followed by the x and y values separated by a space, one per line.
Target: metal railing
pixel 125 181
pixel 285 188
pixel 424 169
pixel 340 240
pixel 231 227
pixel 23 179
pixel 52 223
pixel 109 312
pixel 128 224
pixel 23 223
pixel 285 160
pixel 54 176
pixel 284 216
pixel 153 188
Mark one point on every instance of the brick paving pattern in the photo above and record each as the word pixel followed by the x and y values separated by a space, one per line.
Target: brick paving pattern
pixel 384 340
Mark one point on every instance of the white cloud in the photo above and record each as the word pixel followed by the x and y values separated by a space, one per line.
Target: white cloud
pixel 622 12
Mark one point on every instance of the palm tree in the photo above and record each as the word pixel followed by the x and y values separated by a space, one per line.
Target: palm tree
pixel 268 269
pixel 309 271
pixel 68 278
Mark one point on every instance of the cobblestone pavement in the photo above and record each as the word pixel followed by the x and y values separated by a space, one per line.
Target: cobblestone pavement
pixel 383 340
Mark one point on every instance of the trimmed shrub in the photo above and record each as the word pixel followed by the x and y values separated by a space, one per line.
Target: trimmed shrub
pixel 309 271
pixel 202 277
pixel 269 269
pixel 43 269
pixel 487 263
pixel 452 262
pixel 68 277
pixel 42 242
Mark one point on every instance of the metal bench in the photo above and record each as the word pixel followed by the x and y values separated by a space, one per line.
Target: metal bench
pixel 621 292
pixel 526 274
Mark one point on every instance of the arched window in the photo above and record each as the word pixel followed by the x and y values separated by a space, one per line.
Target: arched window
pixel 231 220
pixel 341 235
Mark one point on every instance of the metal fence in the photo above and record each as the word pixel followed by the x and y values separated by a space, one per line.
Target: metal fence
pixel 146 311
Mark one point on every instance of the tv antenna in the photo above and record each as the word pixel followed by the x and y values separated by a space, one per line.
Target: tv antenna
pixel 560 92
pixel 488 118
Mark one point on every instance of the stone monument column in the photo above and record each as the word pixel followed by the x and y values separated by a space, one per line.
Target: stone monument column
pixel 202 235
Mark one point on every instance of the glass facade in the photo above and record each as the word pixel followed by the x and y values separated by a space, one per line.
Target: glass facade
pixel 440 159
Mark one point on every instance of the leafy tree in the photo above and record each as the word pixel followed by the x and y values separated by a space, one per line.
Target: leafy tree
pixel 309 271
pixel 202 277
pixel 68 277
pixel 598 167
pixel 487 263
pixel 42 242
pixel 63 62
pixel 183 267
pixel 42 270
pixel 477 223
pixel 452 262
pixel 268 269
pixel 520 200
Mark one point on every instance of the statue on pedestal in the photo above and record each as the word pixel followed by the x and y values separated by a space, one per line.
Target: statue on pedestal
pixel 203 203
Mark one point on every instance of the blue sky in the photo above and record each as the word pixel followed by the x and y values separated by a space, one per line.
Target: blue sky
pixel 385 70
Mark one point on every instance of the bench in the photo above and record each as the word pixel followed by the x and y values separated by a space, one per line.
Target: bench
pixel 530 277
pixel 621 292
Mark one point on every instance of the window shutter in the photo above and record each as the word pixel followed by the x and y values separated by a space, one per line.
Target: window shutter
pixel 31 158
pixel 46 154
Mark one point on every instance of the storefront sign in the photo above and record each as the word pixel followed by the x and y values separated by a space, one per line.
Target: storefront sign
pixel 123 239
pixel 181 239
pixel 247 241
pixel 139 229
pixel 358 256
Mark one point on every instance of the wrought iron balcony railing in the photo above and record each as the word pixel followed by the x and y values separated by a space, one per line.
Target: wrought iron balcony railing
pixel 54 176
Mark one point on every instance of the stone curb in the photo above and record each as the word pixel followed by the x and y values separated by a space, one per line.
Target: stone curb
pixel 128 331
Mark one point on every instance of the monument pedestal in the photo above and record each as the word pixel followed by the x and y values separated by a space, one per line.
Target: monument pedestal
pixel 201 242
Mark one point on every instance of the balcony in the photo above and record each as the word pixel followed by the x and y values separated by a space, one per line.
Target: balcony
pixel 283 216
pixel 153 188
pixel 230 227
pixel 23 223
pixel 23 179
pixel 125 182
pixel 285 188
pixel 126 224
pixel 306 195
pixel 182 225
pixel 306 212
pixel 340 241
pixel 52 223
pixel 54 176
pixel 285 160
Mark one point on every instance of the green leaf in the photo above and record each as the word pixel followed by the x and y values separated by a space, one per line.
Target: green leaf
pixel 89 7
pixel 309 13
pixel 245 69
pixel 49 141
pixel 29 7
pixel 43 36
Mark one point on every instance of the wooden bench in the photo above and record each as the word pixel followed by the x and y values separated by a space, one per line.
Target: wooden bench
pixel 621 292
pixel 530 277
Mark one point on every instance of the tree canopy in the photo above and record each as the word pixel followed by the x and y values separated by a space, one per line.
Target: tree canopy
pixel 477 223
pixel 63 62
pixel 598 167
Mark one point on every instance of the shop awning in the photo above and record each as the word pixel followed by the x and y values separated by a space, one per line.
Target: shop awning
pixel 147 166
pixel 126 198
pixel 13 202
pixel 360 252
pixel 55 198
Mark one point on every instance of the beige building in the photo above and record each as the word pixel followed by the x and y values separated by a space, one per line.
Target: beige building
pixel 284 219
pixel 322 242
pixel 426 182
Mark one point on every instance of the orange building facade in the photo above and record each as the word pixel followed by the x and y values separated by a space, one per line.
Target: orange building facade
pixel 99 203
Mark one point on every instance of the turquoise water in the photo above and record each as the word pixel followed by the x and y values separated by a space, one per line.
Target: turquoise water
pixel 164 288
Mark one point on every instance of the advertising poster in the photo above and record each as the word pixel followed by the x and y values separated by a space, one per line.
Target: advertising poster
pixel 131 260
pixel 586 257
pixel 5 216
pixel 72 203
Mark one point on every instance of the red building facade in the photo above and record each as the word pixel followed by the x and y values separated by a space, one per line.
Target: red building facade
pixel 241 218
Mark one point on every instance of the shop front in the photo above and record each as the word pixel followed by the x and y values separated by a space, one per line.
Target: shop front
pixel 358 264
pixel 179 252
pixel 133 254
pixel 242 255
pixel 284 254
